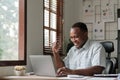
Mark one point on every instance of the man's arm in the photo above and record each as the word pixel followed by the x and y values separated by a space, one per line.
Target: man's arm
pixel 58 61
pixel 87 72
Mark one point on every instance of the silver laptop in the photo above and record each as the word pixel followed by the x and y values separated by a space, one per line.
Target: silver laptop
pixel 42 65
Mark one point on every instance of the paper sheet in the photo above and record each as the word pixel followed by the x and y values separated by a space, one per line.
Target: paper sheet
pixel 88 11
pixel 102 78
pixel 107 11
pixel 98 31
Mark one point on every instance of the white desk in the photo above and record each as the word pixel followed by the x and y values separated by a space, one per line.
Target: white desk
pixel 33 77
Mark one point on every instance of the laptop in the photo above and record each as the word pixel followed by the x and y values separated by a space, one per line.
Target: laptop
pixel 42 65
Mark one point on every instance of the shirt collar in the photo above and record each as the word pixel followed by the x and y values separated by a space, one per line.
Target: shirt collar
pixel 86 45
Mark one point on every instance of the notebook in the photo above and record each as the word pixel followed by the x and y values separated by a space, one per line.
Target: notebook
pixel 105 75
pixel 42 65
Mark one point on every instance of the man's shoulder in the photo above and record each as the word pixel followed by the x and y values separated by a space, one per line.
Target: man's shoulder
pixel 95 43
pixel 72 48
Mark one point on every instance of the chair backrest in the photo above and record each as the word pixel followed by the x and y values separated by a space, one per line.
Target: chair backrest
pixel 110 62
pixel 109 47
pixel 69 46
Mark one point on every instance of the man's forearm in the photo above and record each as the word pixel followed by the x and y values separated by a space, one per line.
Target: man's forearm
pixel 88 72
pixel 58 61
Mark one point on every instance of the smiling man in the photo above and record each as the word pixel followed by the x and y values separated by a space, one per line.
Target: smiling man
pixel 86 57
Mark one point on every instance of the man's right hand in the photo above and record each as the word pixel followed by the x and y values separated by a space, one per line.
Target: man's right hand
pixel 58 61
pixel 55 47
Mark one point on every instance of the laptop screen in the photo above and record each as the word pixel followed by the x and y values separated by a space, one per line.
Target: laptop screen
pixel 42 65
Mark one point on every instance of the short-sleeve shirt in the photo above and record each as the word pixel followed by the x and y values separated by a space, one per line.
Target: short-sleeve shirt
pixel 91 54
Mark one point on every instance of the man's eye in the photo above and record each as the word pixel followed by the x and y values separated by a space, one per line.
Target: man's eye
pixel 76 36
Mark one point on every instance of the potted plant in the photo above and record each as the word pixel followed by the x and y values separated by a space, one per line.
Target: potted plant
pixel 19 70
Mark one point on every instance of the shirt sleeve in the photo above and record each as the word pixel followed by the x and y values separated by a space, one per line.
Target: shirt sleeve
pixel 67 58
pixel 99 56
pixel 66 61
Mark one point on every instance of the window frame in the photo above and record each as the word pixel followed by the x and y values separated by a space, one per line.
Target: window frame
pixel 59 29
pixel 23 34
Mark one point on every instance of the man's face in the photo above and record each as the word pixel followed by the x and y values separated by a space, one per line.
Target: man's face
pixel 78 37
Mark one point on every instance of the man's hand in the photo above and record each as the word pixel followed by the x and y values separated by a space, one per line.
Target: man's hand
pixel 55 47
pixel 64 71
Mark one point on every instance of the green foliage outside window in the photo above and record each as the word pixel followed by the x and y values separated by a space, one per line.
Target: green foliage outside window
pixel 9 18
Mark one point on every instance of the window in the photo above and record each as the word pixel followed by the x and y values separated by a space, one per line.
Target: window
pixel 12 32
pixel 53 28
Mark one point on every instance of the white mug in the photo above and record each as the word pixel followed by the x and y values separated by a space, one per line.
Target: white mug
pixel 19 73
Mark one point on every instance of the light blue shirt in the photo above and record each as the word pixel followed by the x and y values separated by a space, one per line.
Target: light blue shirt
pixel 91 54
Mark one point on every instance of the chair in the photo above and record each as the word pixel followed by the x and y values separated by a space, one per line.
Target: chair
pixel 111 62
pixel 70 44
pixel 115 66
pixel 109 47
pixel 109 67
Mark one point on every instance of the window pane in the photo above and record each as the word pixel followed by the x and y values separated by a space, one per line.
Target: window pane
pixel 46 2
pixel 53 20
pixel 46 38
pixel 9 18
pixel 52 36
pixel 54 5
pixel 46 18
pixel 54 17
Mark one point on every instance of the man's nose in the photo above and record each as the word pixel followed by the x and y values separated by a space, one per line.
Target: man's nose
pixel 74 39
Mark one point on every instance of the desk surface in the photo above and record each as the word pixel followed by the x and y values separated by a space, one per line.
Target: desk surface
pixel 33 77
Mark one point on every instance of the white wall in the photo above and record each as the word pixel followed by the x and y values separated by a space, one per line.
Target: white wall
pixel 34 28
pixel 34 32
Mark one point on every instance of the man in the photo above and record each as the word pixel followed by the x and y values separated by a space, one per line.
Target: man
pixel 84 58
